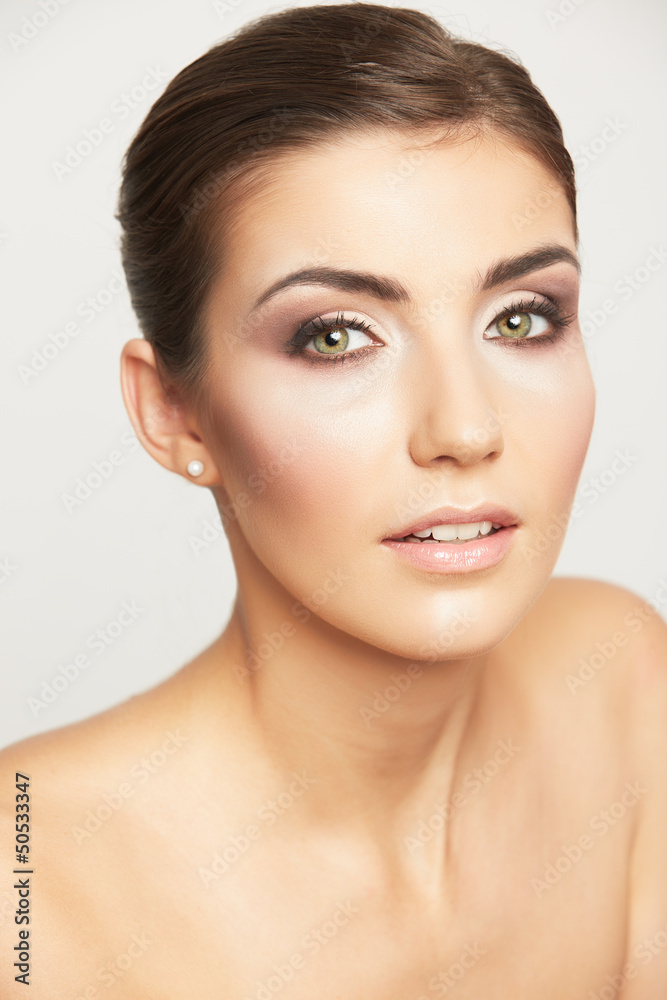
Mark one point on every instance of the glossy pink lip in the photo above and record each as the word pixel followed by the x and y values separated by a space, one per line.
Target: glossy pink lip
pixel 455 557
pixel 452 515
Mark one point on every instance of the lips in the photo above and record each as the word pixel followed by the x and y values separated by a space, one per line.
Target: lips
pixel 493 512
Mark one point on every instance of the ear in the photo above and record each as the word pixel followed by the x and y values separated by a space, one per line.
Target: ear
pixel 166 428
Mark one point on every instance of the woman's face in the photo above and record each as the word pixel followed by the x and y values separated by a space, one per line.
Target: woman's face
pixel 325 454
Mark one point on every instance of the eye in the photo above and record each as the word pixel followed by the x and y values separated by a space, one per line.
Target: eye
pixel 338 339
pixel 538 321
pixel 331 339
pixel 521 324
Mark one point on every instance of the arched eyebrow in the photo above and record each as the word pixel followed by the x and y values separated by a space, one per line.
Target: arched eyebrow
pixel 534 260
pixel 391 290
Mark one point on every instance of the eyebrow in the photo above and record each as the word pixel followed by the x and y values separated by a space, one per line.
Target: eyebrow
pixel 390 290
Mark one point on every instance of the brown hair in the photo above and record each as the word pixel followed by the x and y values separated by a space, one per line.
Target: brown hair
pixel 288 81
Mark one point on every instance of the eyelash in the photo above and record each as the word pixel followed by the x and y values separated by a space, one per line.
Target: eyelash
pixel 543 307
pixel 317 325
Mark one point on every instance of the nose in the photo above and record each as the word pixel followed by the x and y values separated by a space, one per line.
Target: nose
pixel 456 414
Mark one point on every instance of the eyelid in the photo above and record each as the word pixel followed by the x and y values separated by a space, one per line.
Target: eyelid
pixel 509 301
pixel 342 318
pixel 322 322
pixel 536 303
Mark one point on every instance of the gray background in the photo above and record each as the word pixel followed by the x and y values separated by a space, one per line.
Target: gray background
pixel 66 573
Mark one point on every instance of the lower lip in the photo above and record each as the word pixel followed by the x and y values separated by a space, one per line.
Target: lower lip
pixel 455 557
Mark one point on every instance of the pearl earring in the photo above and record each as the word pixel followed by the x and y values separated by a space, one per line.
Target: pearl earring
pixel 195 467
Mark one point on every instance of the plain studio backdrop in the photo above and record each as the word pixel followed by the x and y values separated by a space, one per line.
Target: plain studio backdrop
pixel 135 577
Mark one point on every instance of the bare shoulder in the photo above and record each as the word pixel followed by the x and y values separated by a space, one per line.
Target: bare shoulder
pixel 611 635
pixel 132 770
pixel 78 767
pixel 609 631
pixel 75 802
pixel 598 601
pixel 595 656
pixel 612 655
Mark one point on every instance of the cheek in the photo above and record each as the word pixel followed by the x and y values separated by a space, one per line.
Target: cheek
pixel 301 466
pixel 551 430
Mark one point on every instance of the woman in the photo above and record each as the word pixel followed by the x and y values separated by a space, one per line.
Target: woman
pixel 401 771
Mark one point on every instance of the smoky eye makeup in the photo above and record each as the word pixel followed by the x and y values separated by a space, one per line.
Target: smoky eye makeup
pixel 344 330
pixel 527 320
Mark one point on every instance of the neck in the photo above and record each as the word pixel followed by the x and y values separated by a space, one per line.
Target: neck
pixel 381 737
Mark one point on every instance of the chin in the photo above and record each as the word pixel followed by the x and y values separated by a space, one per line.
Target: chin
pixel 446 625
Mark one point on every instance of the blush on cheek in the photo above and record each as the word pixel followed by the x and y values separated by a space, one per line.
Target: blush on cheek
pixel 298 445
pixel 279 473
pixel 565 441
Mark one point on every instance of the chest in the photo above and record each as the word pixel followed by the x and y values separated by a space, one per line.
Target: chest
pixel 521 891
pixel 525 909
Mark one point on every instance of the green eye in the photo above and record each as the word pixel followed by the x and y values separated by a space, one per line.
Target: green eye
pixel 330 340
pixel 517 325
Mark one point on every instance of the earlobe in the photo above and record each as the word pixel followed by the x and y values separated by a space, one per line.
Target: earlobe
pixel 160 419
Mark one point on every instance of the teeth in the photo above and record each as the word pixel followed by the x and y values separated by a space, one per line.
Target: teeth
pixel 452 532
pixel 448 532
pixel 467 530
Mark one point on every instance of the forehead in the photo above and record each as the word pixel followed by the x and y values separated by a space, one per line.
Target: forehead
pixel 385 200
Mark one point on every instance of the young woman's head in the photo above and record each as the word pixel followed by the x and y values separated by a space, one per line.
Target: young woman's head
pixel 351 243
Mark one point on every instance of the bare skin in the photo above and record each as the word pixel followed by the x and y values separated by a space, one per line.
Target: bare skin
pixel 330 881
pixel 370 809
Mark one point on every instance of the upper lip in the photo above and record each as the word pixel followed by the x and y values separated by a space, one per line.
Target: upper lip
pixel 453 515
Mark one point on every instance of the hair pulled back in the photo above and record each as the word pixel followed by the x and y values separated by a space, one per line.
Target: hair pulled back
pixel 289 81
